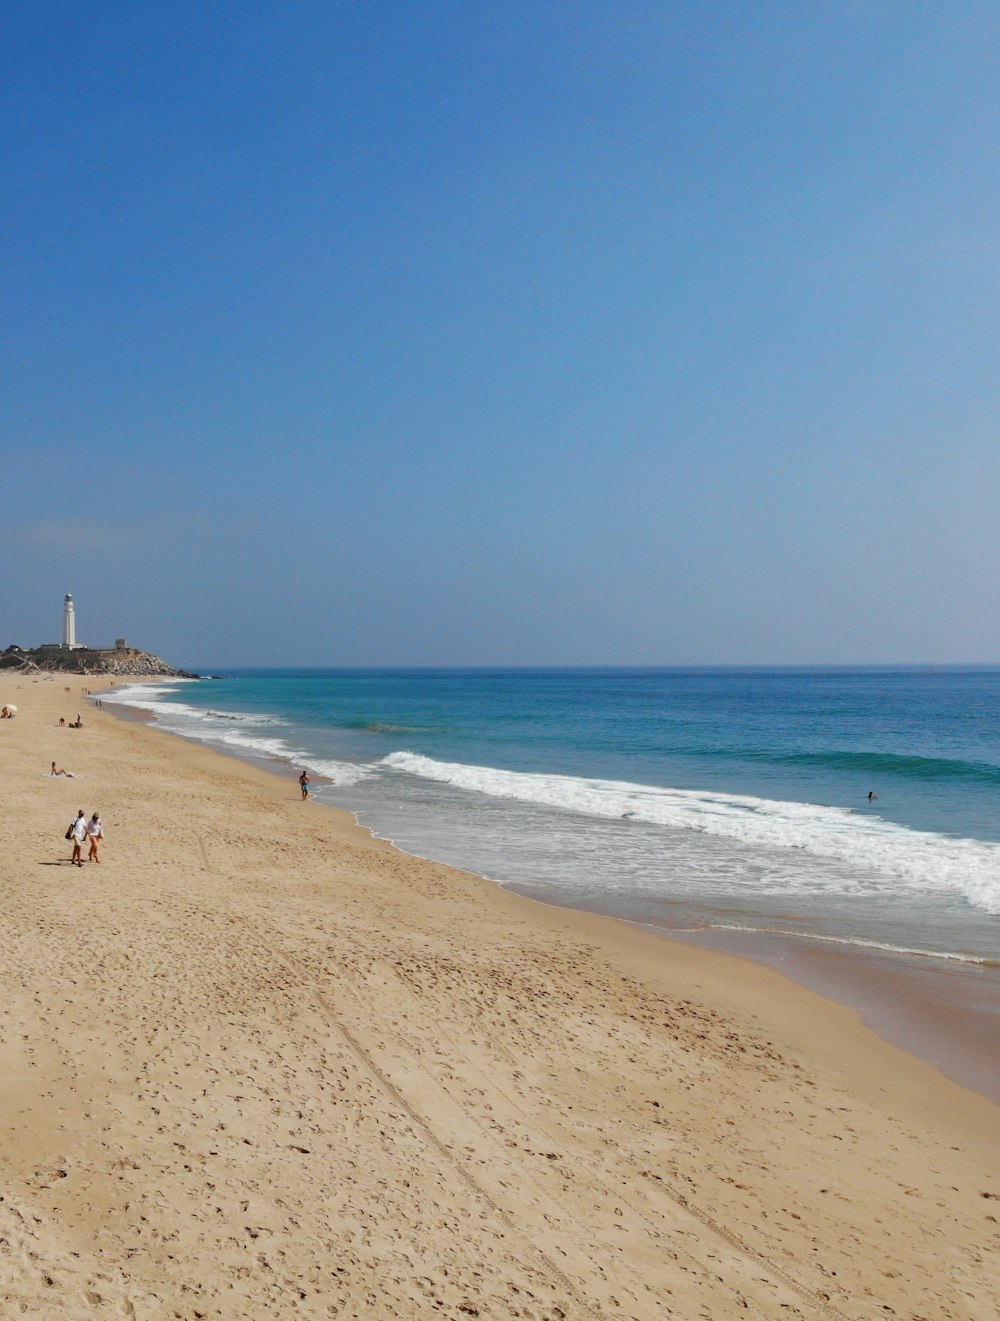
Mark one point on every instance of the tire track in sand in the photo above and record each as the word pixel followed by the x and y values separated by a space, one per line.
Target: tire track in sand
pixel 679 1199
pixel 303 978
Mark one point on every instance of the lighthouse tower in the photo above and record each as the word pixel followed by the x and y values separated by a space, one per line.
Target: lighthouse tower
pixel 69 623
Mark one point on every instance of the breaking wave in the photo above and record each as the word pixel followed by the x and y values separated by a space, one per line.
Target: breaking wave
pixel 911 860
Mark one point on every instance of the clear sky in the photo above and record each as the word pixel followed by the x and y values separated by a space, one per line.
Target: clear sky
pixel 521 332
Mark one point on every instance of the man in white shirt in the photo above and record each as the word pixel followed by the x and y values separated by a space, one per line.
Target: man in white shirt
pixel 78 833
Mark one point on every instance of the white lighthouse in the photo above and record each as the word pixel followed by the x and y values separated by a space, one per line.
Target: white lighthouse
pixel 69 623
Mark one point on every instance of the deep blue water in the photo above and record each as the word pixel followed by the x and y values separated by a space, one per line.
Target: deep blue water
pixel 734 797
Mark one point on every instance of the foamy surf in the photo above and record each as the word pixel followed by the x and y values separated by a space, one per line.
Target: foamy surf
pixel 912 860
pixel 848 942
pixel 772 827
pixel 235 731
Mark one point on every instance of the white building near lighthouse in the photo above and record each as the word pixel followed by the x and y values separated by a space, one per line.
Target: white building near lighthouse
pixel 69 625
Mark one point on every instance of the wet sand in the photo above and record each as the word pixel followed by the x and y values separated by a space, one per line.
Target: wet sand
pixel 944 1011
pixel 258 1064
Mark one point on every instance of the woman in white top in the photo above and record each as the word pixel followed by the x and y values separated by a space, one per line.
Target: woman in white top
pixel 95 833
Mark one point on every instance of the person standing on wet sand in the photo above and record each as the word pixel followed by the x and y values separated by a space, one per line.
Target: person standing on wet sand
pixel 78 833
pixel 304 785
pixel 95 834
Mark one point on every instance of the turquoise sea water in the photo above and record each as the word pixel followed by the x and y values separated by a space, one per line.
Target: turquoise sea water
pixel 735 799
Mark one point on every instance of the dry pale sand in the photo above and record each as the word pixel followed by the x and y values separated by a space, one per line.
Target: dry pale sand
pixel 258 1065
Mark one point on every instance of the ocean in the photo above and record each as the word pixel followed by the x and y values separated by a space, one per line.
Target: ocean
pixel 691 800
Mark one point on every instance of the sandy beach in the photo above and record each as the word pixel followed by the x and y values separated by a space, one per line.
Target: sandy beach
pixel 258 1064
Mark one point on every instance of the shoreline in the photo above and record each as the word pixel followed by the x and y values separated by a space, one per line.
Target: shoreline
pixel 948 1017
pixel 261 1063
pixel 945 1012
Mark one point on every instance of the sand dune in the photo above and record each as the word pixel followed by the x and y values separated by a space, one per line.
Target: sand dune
pixel 256 1064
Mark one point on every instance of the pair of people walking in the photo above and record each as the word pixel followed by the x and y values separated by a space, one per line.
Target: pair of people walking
pixel 81 830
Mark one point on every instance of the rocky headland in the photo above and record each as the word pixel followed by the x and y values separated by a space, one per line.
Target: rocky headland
pixel 121 662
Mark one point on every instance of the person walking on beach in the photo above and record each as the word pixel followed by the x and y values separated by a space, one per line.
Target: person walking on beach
pixel 95 834
pixel 78 833
pixel 304 785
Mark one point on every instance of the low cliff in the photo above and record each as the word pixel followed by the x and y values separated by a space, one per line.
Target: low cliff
pixel 118 661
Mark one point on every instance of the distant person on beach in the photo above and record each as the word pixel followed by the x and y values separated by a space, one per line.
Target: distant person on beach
pixel 62 720
pixel 58 770
pixel 872 795
pixel 304 784
pixel 78 833
pixel 95 834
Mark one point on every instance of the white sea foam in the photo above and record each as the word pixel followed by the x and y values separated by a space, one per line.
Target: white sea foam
pixel 798 848
pixel 910 860
pixel 851 942
pixel 231 729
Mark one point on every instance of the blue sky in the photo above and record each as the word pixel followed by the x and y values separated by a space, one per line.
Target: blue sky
pixel 520 333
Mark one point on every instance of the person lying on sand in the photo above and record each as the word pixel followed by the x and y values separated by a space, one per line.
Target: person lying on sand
pixel 58 770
